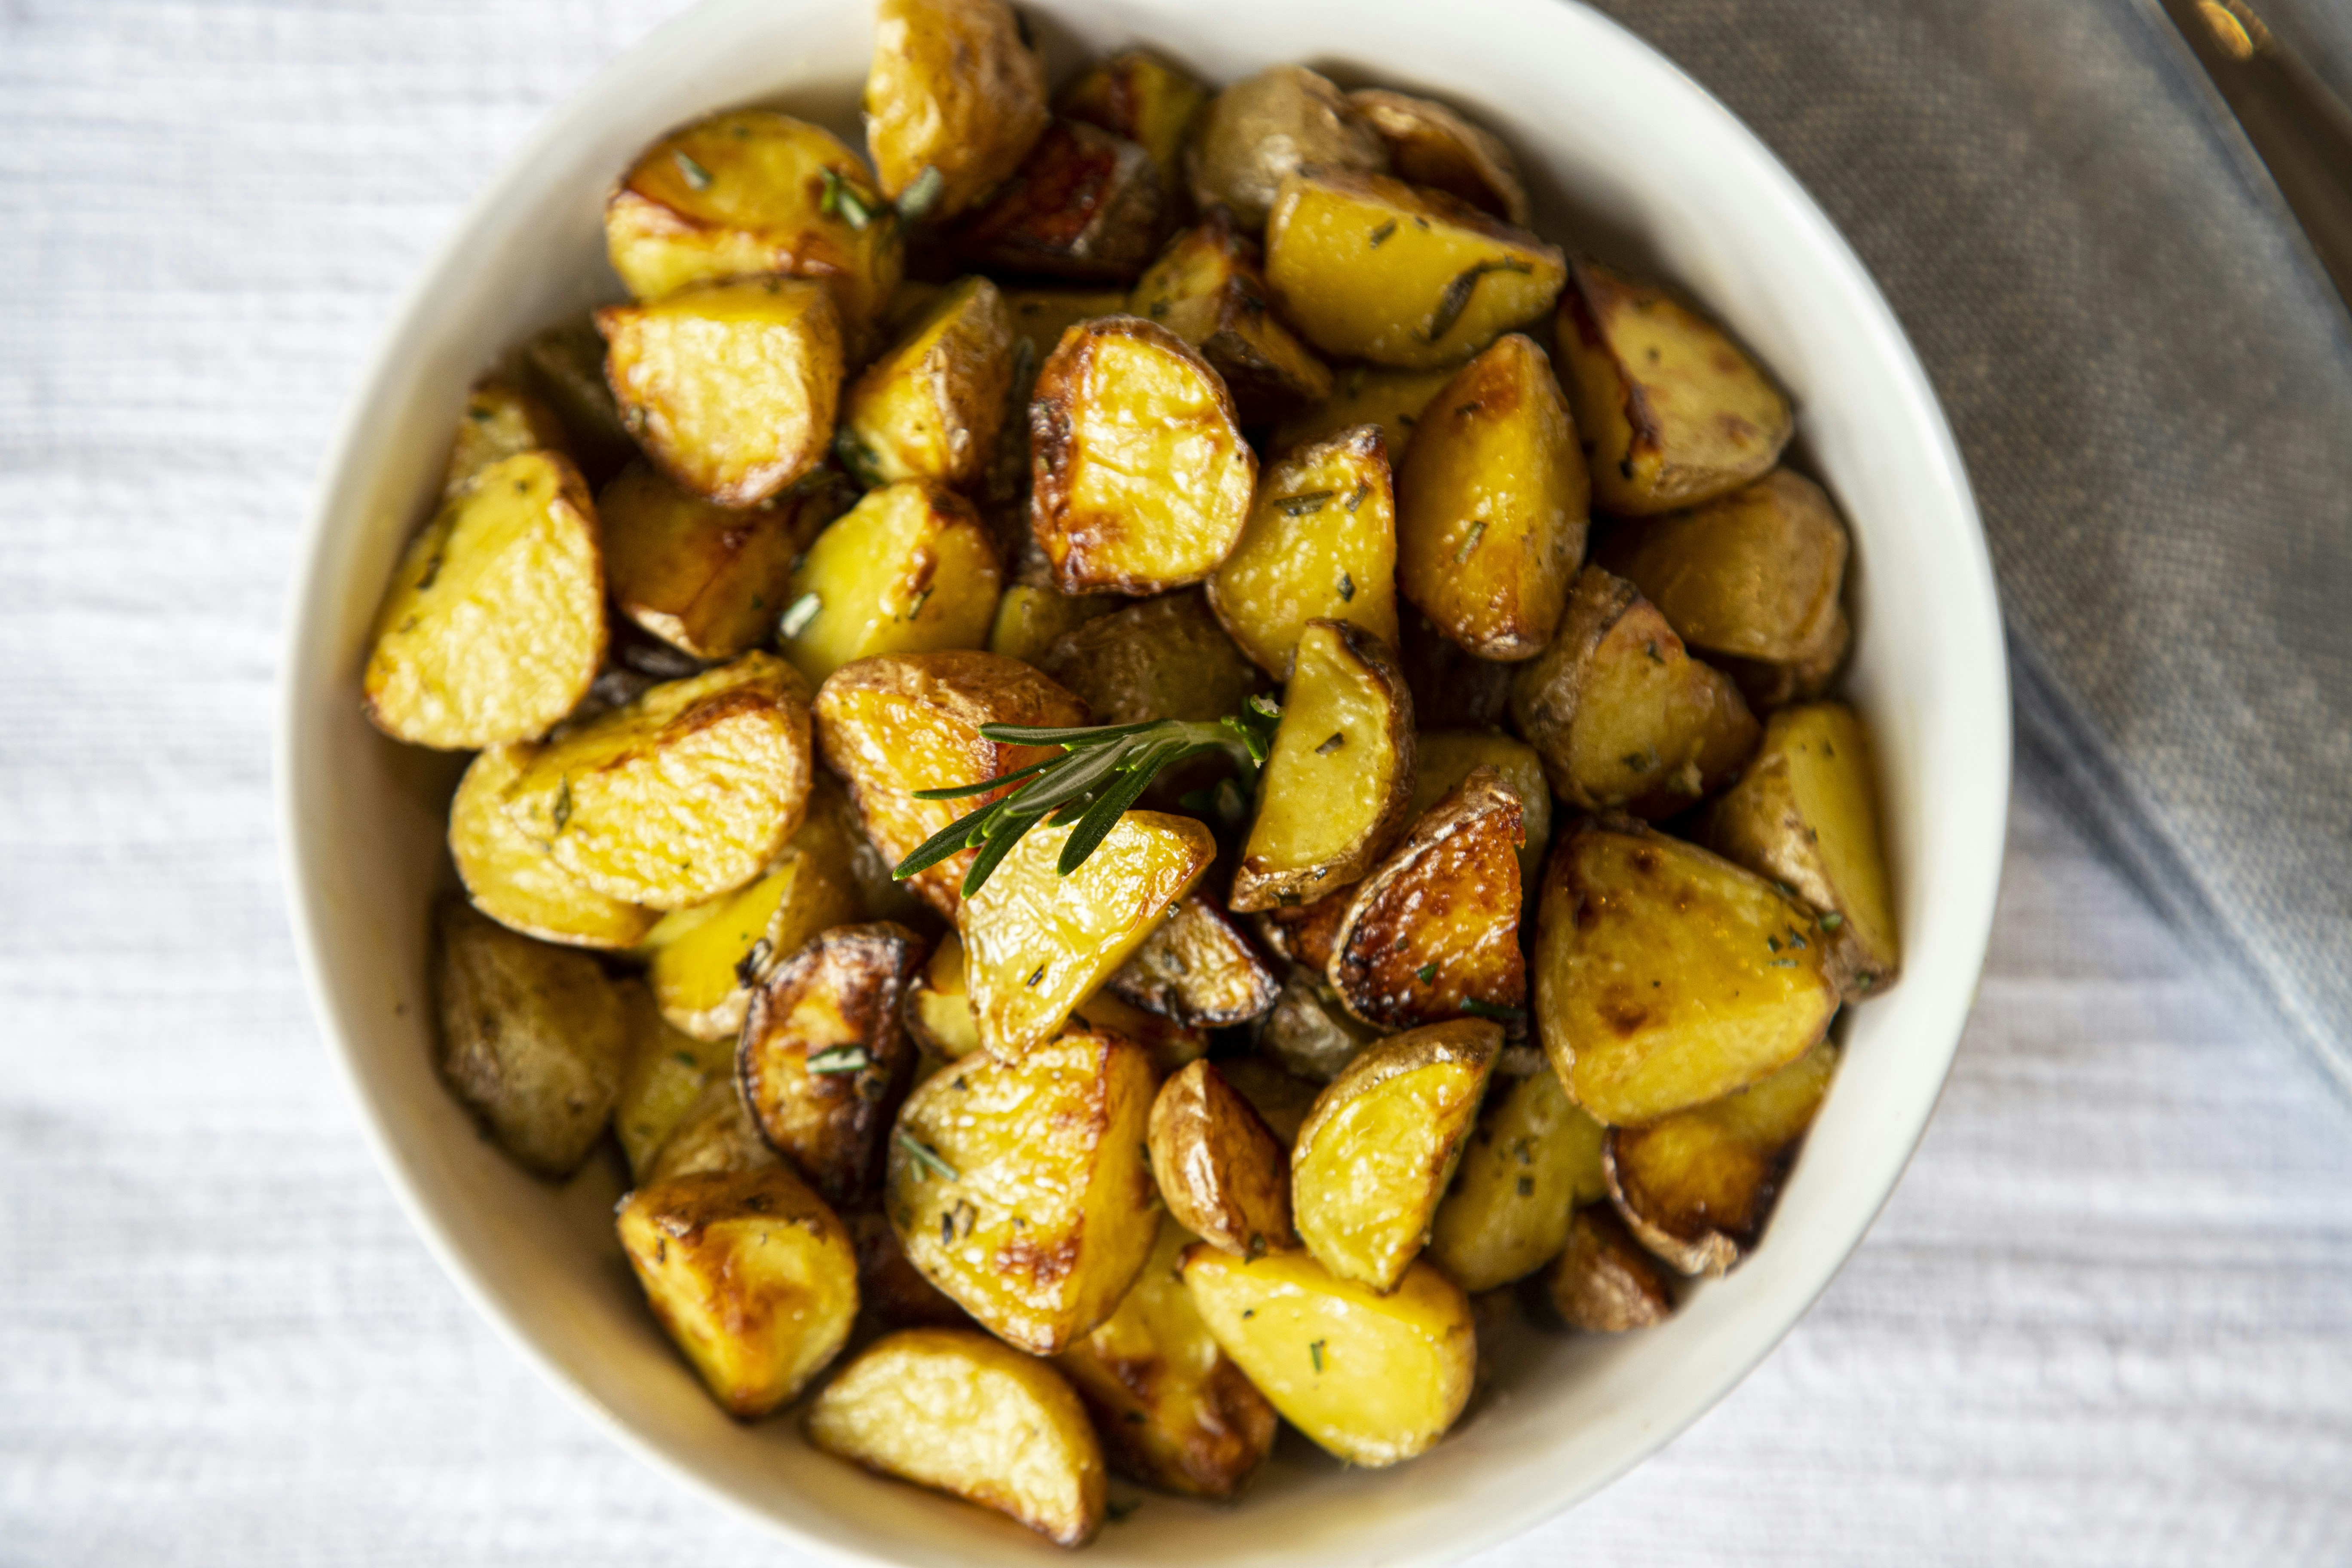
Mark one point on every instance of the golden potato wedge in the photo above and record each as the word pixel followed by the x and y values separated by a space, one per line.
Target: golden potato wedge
pixel 1321 544
pixel 954 101
pixel 1370 267
pixel 1031 618
pixel 1303 933
pixel 681 795
pixel 1378 1151
pixel 954 1411
pixel 938 1008
pixel 1206 288
pixel 1805 813
pixel 730 388
pixel 564 366
pixel 717 1133
pixel 1036 943
pixel 1433 932
pixel 1197 969
pixel 752 1276
pixel 1624 718
pixel 1444 758
pixel 1604 1282
pixel 493 627
pixel 1696 1188
pixel 890 1288
pixel 748 194
pixel 1533 1157
pixel 910 568
pixel 1447 678
pixel 1431 145
pixel 1281 1101
pixel 903 722
pixel 1308 1033
pixel 708 580
pixel 706 961
pixel 1671 410
pixel 514 880
pixel 1165 658
pixel 1333 795
pixel 1221 1171
pixel 1373 1378
pixel 1172 1409
pixel 1391 399
pixel 1138 95
pixel 933 406
pixel 1492 504
pixel 1262 129
pixel 501 420
pixel 1023 1191
pixel 666 1073
pixel 533 1037
pixel 1085 205
pixel 1666 977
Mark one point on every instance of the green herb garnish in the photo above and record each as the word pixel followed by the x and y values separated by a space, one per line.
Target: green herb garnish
pixel 1831 920
pixel 927 1159
pixel 1381 234
pixel 696 174
pixel 865 465
pixel 1478 532
pixel 1456 298
pixel 840 1059
pixel 1315 1350
pixel 841 200
pixel 1347 588
pixel 922 193
pixel 798 615
pixel 1495 1010
pixel 1427 974
pixel 1306 503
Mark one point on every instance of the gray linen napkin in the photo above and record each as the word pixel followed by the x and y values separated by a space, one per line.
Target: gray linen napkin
pixel 2152 383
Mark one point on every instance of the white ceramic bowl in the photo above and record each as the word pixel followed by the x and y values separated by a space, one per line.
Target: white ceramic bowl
pixel 1625 155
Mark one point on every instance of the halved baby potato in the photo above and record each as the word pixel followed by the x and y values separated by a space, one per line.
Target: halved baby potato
pixel 1162 657
pixel 1431 145
pixel 513 879
pixel 1172 1046
pixel 1755 573
pixel 1444 758
pixel 910 568
pixel 1604 1283
pixel 1220 1170
pixel 1391 399
pixel 708 580
pixel 1136 94
pixel 1262 129
pixel 939 1008
pixel 1321 544
pixel 1206 288
pixel 501 420
pixel 1085 205
pixel 1533 1157
pixel 1308 1033
pixel 933 406
pixel 1197 969
pixel 954 101
pixel 706 961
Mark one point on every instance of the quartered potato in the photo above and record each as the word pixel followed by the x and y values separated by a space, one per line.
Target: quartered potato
pixel 1697 1187
pixel 939 1008
pixel 666 1074
pixel 1492 505
pixel 680 795
pixel 1031 618
pixel 708 580
pixel 513 879
pixel 1755 573
pixel 1333 795
pixel 910 568
pixel 493 627
pixel 954 1411
pixel 1281 1101
pixel 1036 943
pixel 1805 813
pixel 707 960
pixel 717 1133
pixel 954 101
pixel 933 406
pixel 1391 399
pixel 1533 1157
pixel 1321 544
pixel 1022 1189
pixel 1172 1409
pixel 1163 657
pixel 890 1290
pixel 1378 1151
pixel 1207 288
pixel 1431 145
pixel 752 1276
pixel 904 723
pixel 1624 718
pixel 1264 128
pixel 1373 1378
pixel 1308 1033
pixel 1221 1171
pixel 822 1050
pixel 1141 479
pixel 1433 932
pixel 501 420
pixel 534 1039
pixel 1666 977
pixel 748 194
pixel 1197 969
pixel 729 387
pixel 1444 758
pixel 564 364
pixel 1672 411
pixel 1085 205
pixel 1370 267
pixel 1138 95
pixel 1604 1283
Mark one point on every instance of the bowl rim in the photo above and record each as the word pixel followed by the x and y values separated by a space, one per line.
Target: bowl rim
pixel 306 600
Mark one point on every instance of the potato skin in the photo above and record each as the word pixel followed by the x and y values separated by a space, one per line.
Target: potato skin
pixel 1450 681
pixel 910 568
pixel 1221 1173
pixel 564 366
pixel 1321 544
pixel 1303 934
pixel 953 87
pixel 1265 127
pixel 1086 206
pixel 1532 1157
pixel 1444 758
pixel 1281 1101
pixel 1163 657
pixel 1430 145
pixel 891 1290
pixel 706 961
pixel 1031 616
pixel 1756 574
pixel 1207 288
pixel 514 880
pixel 1136 94
pixel 708 580
pixel 933 406
pixel 1308 1033
pixel 1199 969
pixel 1603 1283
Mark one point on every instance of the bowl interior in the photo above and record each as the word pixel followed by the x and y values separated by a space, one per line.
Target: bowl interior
pixel 1626 157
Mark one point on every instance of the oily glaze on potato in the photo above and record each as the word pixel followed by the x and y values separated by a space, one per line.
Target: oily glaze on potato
pixel 1666 977
pixel 1138 95
pixel 1532 1158
pixel 1444 758
pixel 1022 1189
pixel 1207 286
pixel 1492 505
pixel 1624 718
pixel 666 1073
pixel 682 795
pixel 1391 399
pixel 1672 411
pixel 493 627
pixel 1431 145
pixel 514 880
pixel 501 420
pixel 1221 1171
pixel 1264 128
pixel 715 1134
pixel 954 1411
pixel 1603 1283
pixel 1321 544
pixel 1140 481
pixel 708 580
pixel 910 568
pixel 1197 968
pixel 1308 1032
pixel 1370 267
pixel 956 90
pixel 1085 205
pixel 1163 657
pixel 933 406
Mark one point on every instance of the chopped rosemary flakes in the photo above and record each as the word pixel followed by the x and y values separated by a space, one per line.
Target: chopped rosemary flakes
pixel 1456 298
pixel 1831 920
pixel 798 615
pixel 922 193
pixel 927 1159
pixel 840 1059
pixel 1494 1010
pixel 1380 236
pixel 1315 1350
pixel 1306 503
pixel 1478 532
pixel 1427 974
pixel 696 174
pixel 1347 588
pixel 1339 739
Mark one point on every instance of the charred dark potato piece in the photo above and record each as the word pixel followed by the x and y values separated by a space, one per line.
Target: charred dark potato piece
pixel 1086 204
pixel 1197 969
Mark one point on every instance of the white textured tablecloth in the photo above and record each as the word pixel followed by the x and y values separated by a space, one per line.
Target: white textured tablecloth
pixel 2106 1318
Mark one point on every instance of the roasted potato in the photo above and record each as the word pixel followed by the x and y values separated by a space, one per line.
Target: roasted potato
pixel 666 1072
pixel 1172 1046
pixel 1767 685
pixel 1140 480
pixel 1492 503
pixel 1221 1173
pixel 493 627
pixel 564 366
pixel 1031 618
pixel 1378 1151
pixel 514 880
pixel 933 406
pixel 1022 1189
pixel 704 962
pixel 501 420
pixel 1604 1282
pixel 1430 145
pixel 1259 130
pixel 1444 758
pixel 1197 969
pixel 681 795
pixel 954 101
pixel 1433 932
pixel 1040 317
pixel 1207 288
pixel 1372 269
pixel 939 1008
pixel 1374 1378
pixel 1447 678
pixel 1303 933
pixel 1671 410
pixel 1391 399
pixel 1165 658
pixel 956 1412
pixel 1172 1409
pixel 1333 795
pixel 890 1290
pixel 1533 1157
pixel 1138 95
pixel 904 723
pixel 1805 813
pixel 1666 977
pixel 708 580
pixel 1321 544
pixel 730 388
pixel 908 569
pixel 748 194
pixel 1755 573
pixel 1696 1188
pixel 717 1133
pixel 1308 1033
pixel 1085 205
pixel 1624 718
pixel 1036 943
pixel 1282 1100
